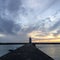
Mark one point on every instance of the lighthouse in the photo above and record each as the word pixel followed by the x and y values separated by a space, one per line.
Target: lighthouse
pixel 30 40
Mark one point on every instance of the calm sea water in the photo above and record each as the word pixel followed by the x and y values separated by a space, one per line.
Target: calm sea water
pixel 51 50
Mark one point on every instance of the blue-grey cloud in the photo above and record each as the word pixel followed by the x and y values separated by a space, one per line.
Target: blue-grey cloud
pixel 57 33
pixel 8 26
pixel 55 26
pixel 14 5
pixel 11 5
pixel 8 13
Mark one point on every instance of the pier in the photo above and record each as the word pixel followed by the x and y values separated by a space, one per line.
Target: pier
pixel 27 52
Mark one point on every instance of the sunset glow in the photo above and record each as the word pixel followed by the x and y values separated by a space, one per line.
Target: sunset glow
pixel 47 41
pixel 37 37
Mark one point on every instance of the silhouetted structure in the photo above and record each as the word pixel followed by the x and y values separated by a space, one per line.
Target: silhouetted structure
pixel 30 40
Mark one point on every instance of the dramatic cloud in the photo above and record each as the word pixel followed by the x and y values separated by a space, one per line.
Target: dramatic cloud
pixel 8 26
pixel 14 5
pixel 56 25
pixel 26 16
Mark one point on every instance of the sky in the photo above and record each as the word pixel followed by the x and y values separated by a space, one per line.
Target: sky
pixel 21 19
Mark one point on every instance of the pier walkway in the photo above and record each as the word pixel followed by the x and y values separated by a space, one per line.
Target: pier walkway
pixel 26 52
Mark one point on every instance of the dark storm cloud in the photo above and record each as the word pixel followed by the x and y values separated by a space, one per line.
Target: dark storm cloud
pixel 8 26
pixel 8 10
pixel 14 5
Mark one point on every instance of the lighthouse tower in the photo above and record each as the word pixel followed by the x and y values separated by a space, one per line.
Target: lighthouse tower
pixel 30 40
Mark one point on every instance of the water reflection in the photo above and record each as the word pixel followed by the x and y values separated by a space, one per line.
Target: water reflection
pixel 51 50
pixel 4 48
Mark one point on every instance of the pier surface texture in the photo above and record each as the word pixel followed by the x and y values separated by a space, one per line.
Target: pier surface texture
pixel 26 52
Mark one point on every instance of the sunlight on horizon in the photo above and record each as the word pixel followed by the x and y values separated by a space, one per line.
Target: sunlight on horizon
pixel 46 41
pixel 39 36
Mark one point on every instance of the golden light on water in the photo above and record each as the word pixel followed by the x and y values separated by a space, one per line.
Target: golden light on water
pixel 38 36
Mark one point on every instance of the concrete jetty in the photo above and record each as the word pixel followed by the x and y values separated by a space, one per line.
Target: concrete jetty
pixel 26 52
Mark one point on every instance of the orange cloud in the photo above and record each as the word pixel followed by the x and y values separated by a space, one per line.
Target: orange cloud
pixel 39 36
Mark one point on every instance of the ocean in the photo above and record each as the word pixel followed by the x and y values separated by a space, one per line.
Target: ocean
pixel 51 50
